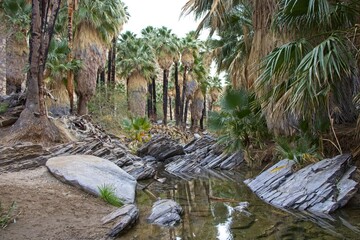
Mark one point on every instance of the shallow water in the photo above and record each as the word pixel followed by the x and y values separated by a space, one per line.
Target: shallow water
pixel 208 201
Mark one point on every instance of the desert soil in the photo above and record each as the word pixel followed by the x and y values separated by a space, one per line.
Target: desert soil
pixel 50 209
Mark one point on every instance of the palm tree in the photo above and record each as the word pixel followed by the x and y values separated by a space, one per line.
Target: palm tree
pixel 165 50
pixel 150 36
pixel 96 23
pixel 136 62
pixel 17 13
pixel 33 123
pixel 315 76
pixel 189 46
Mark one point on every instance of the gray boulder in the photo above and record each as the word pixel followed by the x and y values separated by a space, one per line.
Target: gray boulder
pixel 321 187
pixel 165 212
pixel 89 173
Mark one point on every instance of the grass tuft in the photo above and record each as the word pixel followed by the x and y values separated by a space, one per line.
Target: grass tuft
pixel 107 193
pixel 6 216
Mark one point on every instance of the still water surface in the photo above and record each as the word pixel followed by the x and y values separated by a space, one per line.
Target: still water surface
pixel 208 201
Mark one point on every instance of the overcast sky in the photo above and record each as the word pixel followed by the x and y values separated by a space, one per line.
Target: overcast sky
pixel 158 13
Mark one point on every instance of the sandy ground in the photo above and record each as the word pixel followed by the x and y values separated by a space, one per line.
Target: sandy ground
pixel 49 209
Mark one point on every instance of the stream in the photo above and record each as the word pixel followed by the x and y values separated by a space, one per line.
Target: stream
pixel 208 202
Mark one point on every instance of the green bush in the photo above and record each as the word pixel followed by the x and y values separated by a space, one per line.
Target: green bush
pixel 137 128
pixel 240 124
pixel 3 107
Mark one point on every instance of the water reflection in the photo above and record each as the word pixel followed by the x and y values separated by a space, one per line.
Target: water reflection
pixel 208 203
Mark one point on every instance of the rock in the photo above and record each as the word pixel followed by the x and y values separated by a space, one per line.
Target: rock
pixel 321 187
pixel 127 217
pixel 140 170
pixel 203 153
pixel 165 212
pixel 161 148
pixel 22 156
pixel 89 173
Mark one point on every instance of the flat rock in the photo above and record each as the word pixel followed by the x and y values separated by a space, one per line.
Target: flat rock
pixel 165 212
pixel 89 173
pixel 321 187
pixel 125 217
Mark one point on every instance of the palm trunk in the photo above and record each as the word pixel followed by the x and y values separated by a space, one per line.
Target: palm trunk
pixel 165 95
pixel 137 89
pixel 3 61
pixel 177 97
pixel 33 124
pixel 182 116
pixel 154 98
pixel 170 102
pixel 113 65
pixel 150 101
pixel 203 115
pixel 70 74
pixel 186 111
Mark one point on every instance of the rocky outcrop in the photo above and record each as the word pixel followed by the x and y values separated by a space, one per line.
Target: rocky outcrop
pixel 22 156
pixel 204 153
pixel 321 187
pixel 125 217
pixel 165 212
pixel 161 148
pixel 91 173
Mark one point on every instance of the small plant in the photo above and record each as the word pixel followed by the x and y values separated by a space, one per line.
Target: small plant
pixel 107 193
pixel 3 107
pixel 137 128
pixel 6 216
pixel 301 148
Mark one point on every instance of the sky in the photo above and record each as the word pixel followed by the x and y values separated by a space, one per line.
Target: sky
pixel 158 13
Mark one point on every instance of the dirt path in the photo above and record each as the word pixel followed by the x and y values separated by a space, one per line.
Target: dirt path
pixel 50 209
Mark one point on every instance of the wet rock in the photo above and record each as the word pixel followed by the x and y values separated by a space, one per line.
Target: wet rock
pixel 125 216
pixel 89 173
pixel 165 212
pixel 161 148
pixel 321 187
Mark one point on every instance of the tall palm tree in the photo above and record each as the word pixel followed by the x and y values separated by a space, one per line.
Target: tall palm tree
pixel 136 62
pixel 189 46
pixel 17 14
pixel 150 36
pixel 33 123
pixel 96 23
pixel 165 50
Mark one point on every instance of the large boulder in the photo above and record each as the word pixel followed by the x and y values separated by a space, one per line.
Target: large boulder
pixel 90 173
pixel 165 212
pixel 321 187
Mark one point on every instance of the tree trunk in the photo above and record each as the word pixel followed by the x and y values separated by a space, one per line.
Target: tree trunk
pixel 165 95
pixel 70 74
pixel 182 116
pixel 186 111
pixel 203 115
pixel 170 102
pixel 2 56
pixel 137 88
pixel 154 98
pixel 150 101
pixel 33 124
pixel 113 65
pixel 177 96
